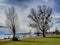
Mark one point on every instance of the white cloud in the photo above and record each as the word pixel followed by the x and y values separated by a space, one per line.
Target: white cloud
pixel 56 25
pixel 45 0
pixel 56 15
pixel 2 1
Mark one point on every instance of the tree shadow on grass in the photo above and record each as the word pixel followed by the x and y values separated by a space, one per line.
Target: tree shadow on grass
pixel 33 41
pixel 52 37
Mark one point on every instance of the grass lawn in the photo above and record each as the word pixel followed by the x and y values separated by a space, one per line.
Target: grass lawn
pixel 51 40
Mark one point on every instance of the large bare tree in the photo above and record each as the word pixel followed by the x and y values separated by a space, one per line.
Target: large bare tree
pixel 11 21
pixel 41 19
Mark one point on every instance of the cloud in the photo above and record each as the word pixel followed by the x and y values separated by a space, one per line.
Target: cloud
pixel 56 15
pixel 45 0
pixel 56 25
pixel 23 7
pixel 57 5
pixel 1 1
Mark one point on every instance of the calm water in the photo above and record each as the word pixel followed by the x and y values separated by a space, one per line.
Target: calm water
pixel 10 36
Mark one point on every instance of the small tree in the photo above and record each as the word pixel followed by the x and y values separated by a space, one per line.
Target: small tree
pixel 12 21
pixel 30 32
pixel 57 31
pixel 41 18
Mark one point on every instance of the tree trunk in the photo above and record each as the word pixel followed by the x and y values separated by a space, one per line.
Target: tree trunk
pixel 37 34
pixel 14 33
pixel 44 33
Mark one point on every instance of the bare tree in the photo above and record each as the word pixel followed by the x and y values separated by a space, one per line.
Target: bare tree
pixel 12 21
pixel 41 18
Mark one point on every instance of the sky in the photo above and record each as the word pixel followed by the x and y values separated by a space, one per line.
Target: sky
pixel 23 7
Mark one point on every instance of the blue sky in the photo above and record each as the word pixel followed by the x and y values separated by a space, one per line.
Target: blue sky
pixel 23 7
pixel 57 6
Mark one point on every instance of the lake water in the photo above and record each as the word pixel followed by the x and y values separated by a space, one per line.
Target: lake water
pixel 10 36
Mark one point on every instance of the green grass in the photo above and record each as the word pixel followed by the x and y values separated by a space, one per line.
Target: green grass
pixel 51 40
